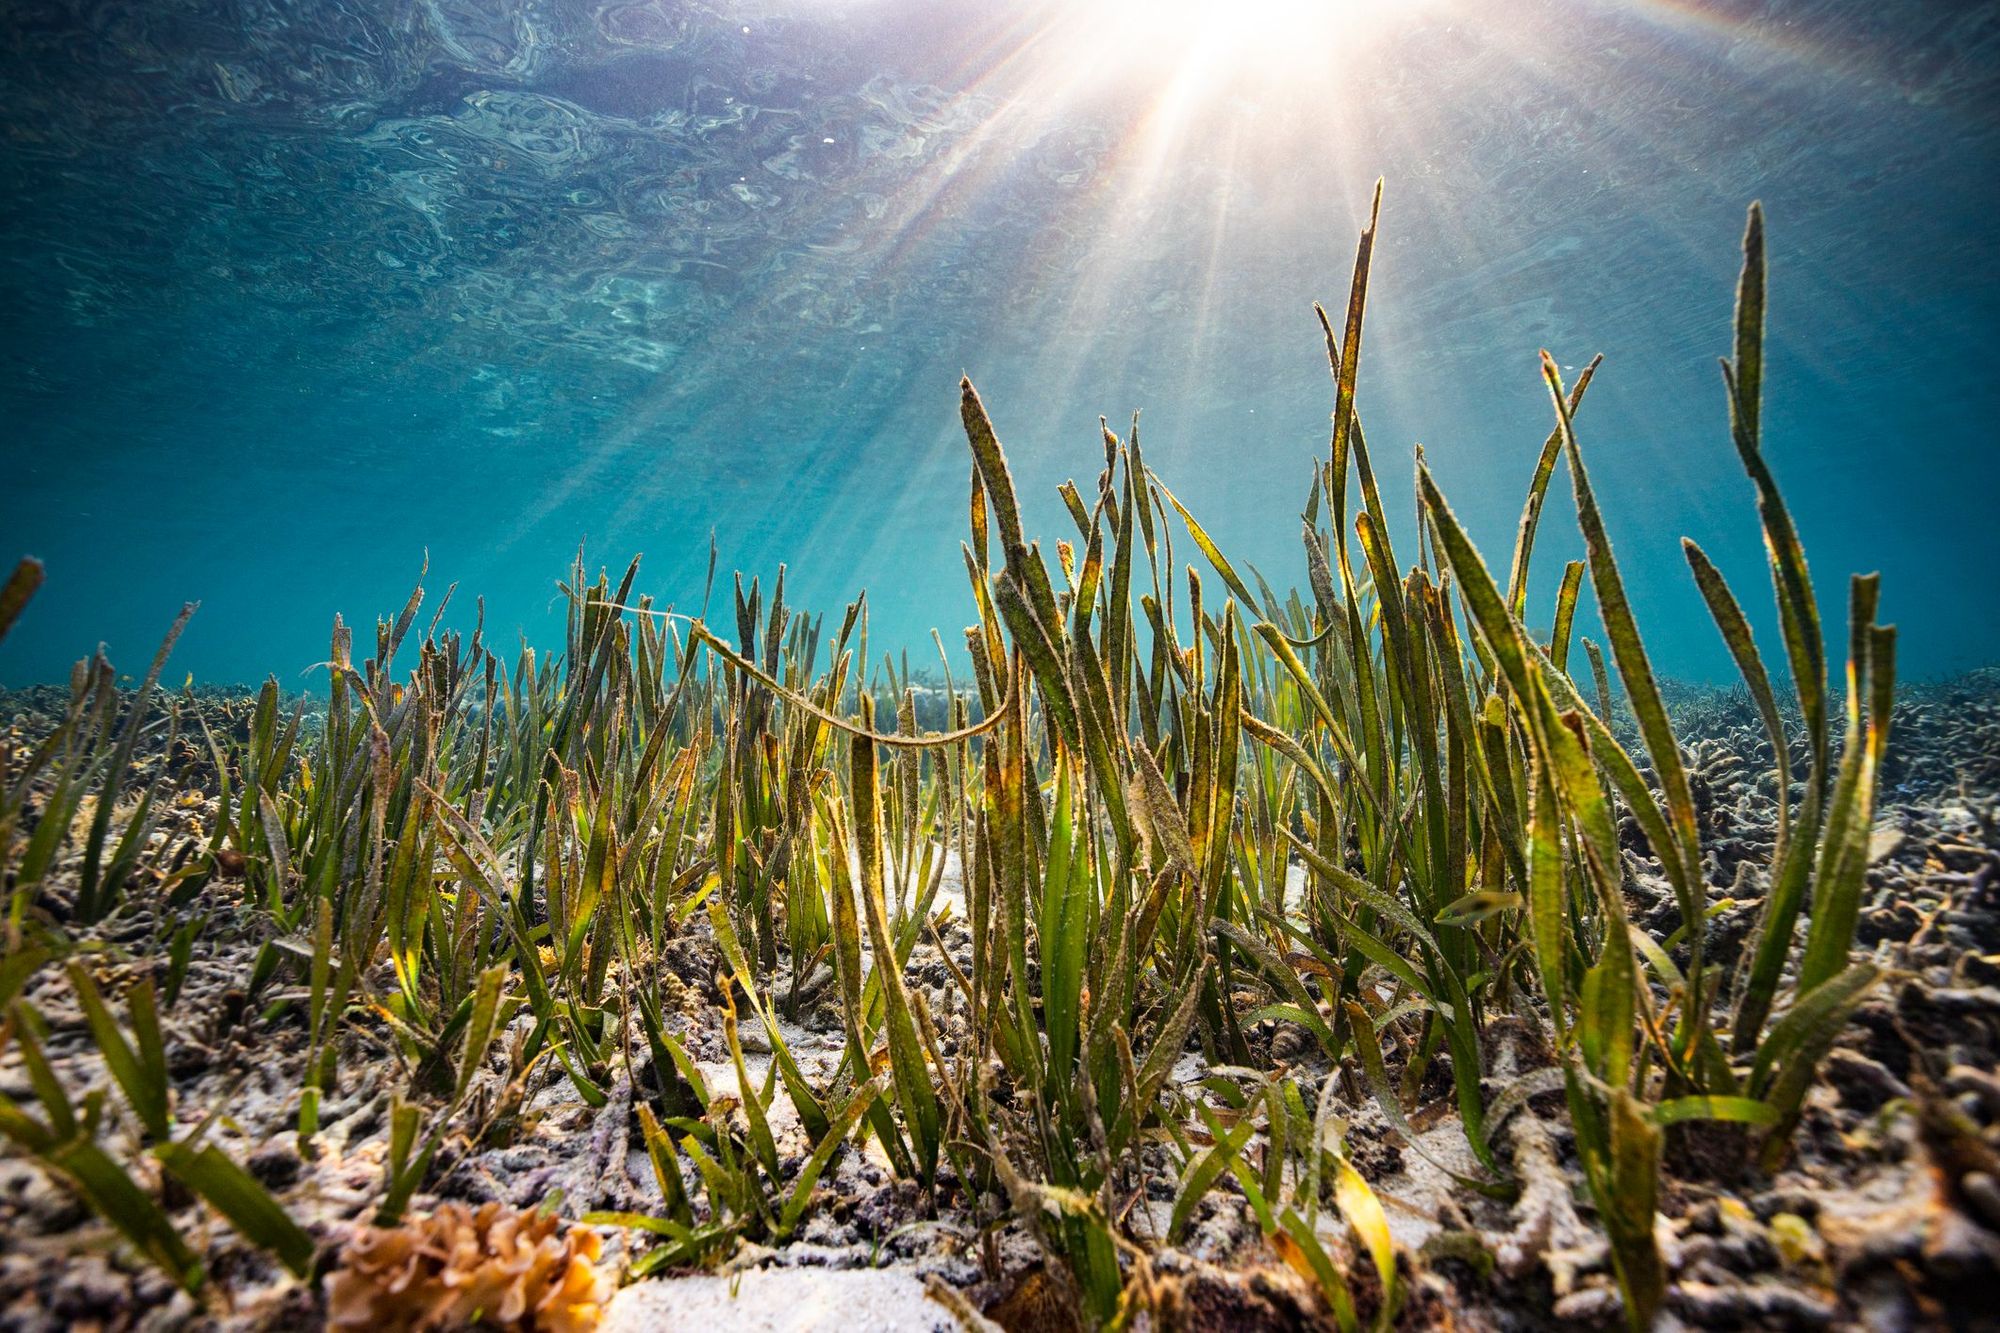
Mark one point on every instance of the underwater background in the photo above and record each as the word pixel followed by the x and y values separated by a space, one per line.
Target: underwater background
pixel 292 294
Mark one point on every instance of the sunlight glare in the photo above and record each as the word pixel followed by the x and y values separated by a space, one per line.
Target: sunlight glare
pixel 1232 39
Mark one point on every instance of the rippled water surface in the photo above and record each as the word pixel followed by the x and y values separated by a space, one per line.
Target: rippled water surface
pixel 294 293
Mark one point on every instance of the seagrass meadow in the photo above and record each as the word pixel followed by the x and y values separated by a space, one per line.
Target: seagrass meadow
pixel 1381 954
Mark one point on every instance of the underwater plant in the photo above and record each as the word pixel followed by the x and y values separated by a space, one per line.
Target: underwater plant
pixel 493 866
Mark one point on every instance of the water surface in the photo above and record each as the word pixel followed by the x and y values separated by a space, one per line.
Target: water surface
pixel 292 294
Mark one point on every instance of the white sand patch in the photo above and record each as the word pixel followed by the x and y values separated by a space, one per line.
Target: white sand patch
pixel 780 1300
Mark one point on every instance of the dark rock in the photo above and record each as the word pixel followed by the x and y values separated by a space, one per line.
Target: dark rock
pixel 1864 1084
pixel 1798 1201
pixel 276 1164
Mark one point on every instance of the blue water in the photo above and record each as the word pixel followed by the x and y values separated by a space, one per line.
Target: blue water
pixel 294 293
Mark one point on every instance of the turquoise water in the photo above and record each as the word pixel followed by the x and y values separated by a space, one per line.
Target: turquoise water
pixel 292 294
